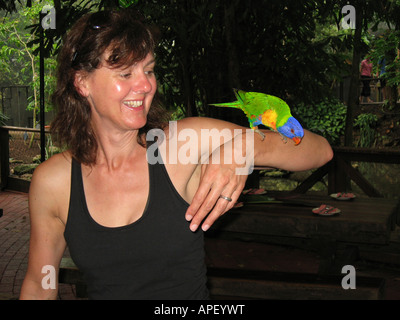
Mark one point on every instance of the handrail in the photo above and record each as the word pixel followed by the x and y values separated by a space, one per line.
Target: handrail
pixel 384 155
pixel 372 78
pixel 21 129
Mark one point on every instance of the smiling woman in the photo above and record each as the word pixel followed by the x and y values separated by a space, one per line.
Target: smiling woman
pixel 118 40
pixel 132 226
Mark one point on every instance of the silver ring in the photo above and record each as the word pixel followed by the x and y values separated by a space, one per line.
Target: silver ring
pixel 225 198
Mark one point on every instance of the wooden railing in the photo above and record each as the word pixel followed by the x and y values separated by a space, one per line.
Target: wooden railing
pixel 340 170
pixel 7 181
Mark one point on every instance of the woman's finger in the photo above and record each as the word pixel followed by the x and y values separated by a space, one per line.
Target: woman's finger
pixel 222 205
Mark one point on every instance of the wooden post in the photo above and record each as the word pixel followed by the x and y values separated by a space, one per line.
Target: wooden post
pixel 42 108
pixel 4 157
pixel 337 179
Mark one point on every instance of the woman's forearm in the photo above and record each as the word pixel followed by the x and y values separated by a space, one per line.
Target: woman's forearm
pixel 313 152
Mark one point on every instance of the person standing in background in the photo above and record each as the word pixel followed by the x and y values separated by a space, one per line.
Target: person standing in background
pixel 366 75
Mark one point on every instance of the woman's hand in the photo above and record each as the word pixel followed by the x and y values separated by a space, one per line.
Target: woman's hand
pixel 221 183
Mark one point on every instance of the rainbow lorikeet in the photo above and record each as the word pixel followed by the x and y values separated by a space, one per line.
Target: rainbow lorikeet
pixel 269 111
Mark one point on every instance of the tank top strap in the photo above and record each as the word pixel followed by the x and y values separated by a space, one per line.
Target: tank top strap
pixel 76 192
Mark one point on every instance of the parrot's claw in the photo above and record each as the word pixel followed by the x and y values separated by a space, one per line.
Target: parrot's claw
pixel 283 138
pixel 260 133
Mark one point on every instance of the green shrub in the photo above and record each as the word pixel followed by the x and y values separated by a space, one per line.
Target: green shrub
pixel 327 118
pixel 366 122
pixel 3 119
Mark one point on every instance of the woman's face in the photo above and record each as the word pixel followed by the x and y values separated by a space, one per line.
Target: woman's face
pixel 120 98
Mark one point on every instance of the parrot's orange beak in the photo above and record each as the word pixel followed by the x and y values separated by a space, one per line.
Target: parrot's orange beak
pixel 296 140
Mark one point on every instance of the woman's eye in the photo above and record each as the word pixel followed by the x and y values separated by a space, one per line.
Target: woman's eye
pixel 149 72
pixel 126 75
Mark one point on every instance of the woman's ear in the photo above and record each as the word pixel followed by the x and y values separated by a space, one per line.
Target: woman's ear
pixel 81 84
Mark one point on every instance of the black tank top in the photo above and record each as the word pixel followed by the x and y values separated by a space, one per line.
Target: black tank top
pixel 156 257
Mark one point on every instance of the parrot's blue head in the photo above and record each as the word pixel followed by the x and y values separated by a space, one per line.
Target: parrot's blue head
pixel 292 129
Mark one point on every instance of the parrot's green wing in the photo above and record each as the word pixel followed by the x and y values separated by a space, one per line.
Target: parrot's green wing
pixel 261 106
pixel 252 104
pixel 255 103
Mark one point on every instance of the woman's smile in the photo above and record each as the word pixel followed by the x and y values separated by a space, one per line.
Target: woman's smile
pixel 134 105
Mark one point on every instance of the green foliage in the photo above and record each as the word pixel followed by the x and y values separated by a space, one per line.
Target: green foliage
pixel 385 47
pixel 19 65
pixel 366 122
pixel 327 118
pixel 291 49
pixel 50 149
pixel 3 119
pixel 267 46
pixel 127 3
pixel 25 169
pixel 178 114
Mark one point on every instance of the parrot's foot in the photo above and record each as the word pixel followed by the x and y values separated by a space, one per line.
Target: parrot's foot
pixel 260 133
pixel 283 138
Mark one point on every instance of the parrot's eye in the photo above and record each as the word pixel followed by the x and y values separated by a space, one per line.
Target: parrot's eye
pixel 292 130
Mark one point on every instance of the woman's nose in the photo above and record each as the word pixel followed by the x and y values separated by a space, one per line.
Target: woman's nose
pixel 142 84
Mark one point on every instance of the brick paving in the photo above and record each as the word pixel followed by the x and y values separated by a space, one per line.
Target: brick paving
pixel 14 243
pixel 14 247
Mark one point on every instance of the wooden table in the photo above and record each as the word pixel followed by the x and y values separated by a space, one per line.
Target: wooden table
pixel 367 220
pixel 362 221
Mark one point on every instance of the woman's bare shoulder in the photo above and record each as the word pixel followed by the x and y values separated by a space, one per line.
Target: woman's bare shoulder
pixel 49 189
pixel 53 171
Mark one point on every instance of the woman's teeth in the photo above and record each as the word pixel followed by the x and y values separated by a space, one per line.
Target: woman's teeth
pixel 133 104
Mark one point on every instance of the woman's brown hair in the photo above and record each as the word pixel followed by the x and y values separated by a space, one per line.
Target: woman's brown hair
pixel 128 40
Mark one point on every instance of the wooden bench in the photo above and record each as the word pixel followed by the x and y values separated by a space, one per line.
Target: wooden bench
pixel 249 284
pixel 258 284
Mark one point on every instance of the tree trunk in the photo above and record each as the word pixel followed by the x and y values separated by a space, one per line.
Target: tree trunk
pixel 353 98
pixel 233 62
pixel 191 110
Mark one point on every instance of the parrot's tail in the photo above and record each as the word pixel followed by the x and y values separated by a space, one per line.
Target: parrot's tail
pixel 235 104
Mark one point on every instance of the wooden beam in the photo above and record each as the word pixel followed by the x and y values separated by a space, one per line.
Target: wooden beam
pixel 368 154
pixel 358 178
pixel 312 179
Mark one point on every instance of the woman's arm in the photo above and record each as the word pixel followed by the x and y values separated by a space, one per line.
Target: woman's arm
pixel 47 242
pixel 226 177
pixel 313 152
